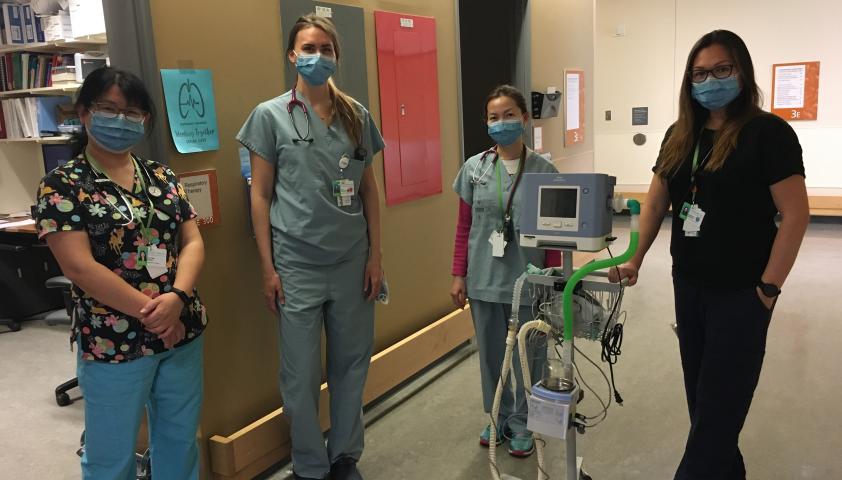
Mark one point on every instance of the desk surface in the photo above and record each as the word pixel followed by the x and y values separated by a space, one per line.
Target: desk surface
pixel 26 229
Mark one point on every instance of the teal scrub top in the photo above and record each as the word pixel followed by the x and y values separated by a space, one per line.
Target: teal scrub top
pixel 492 279
pixel 308 227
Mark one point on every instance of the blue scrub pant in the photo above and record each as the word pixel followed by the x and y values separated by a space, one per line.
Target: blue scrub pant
pixel 331 296
pixel 169 385
pixel 491 322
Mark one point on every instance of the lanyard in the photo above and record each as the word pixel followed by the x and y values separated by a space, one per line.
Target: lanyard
pixel 695 169
pixel 506 214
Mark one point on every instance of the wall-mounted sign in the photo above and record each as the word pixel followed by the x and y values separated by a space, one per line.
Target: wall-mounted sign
pixel 202 190
pixel 191 110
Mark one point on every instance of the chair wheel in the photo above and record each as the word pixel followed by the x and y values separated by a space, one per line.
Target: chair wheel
pixel 63 399
pixel 14 326
pixel 585 476
pixel 144 466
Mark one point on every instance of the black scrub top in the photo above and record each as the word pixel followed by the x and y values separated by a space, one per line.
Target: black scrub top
pixel 739 227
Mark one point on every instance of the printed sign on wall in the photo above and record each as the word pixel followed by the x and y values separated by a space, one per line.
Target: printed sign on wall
pixel 202 191
pixel 191 109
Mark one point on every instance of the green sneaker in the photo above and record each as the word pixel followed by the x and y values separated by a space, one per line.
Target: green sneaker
pixel 485 437
pixel 521 445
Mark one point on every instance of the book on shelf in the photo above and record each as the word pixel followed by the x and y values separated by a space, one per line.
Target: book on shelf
pixel 33 117
pixel 28 70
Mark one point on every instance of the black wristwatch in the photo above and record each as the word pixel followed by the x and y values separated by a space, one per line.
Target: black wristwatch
pixel 769 289
pixel 181 295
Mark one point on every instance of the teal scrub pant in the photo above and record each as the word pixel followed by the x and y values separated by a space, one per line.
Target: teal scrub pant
pixel 169 385
pixel 331 296
pixel 491 322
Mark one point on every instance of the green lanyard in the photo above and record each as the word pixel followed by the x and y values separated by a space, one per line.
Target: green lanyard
pixel 145 228
pixel 505 214
pixel 695 170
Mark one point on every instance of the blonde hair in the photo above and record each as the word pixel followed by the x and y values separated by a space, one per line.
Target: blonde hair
pixel 343 106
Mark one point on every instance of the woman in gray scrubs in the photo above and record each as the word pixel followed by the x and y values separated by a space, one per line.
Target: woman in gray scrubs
pixel 315 210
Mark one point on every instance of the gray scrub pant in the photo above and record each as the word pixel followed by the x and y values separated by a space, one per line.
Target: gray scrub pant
pixel 331 296
pixel 491 322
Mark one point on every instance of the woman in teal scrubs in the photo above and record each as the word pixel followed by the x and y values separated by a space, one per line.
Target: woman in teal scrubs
pixel 487 258
pixel 315 210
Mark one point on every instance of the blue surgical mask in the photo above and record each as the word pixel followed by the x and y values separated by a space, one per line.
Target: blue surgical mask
pixel 505 132
pixel 117 134
pixel 715 93
pixel 315 68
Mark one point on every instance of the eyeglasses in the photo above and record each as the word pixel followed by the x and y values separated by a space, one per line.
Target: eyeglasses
pixel 109 110
pixel 719 72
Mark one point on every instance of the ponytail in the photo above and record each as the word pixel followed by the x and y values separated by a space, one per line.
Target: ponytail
pixel 344 107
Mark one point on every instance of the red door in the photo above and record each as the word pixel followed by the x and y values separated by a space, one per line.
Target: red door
pixel 409 105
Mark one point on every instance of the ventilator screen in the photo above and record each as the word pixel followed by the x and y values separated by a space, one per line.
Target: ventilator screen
pixel 559 202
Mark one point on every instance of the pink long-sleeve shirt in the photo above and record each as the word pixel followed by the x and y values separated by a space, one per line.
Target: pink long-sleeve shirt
pixel 552 258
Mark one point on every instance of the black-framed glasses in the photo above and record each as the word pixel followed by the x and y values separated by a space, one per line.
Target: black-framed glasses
pixel 719 72
pixel 109 110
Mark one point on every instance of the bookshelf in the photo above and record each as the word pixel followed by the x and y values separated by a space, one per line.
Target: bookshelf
pixel 60 90
pixel 22 159
pixel 86 44
pixel 57 140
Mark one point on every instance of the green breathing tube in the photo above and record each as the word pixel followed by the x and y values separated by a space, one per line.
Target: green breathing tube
pixel 567 297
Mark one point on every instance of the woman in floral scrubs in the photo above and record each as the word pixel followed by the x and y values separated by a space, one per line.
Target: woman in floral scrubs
pixel 124 232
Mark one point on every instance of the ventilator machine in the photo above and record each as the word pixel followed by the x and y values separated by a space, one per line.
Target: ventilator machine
pixel 566 212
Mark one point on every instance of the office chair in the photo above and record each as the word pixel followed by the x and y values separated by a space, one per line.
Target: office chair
pixel 65 286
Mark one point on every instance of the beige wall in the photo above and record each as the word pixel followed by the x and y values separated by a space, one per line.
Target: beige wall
pixel 644 68
pixel 562 38
pixel 241 45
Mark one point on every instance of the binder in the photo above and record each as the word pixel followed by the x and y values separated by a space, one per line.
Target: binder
pixel 28 24
pixel 24 62
pixel 14 24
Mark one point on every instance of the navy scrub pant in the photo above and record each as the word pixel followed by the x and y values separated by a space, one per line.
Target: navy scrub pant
pixel 722 337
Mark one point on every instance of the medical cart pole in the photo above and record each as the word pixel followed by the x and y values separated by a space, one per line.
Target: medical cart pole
pixel 567 299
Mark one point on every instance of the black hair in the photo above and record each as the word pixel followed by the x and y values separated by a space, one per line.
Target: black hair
pixel 100 81
pixel 505 91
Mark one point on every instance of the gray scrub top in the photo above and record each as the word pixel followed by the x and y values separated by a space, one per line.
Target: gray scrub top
pixel 308 227
pixel 492 279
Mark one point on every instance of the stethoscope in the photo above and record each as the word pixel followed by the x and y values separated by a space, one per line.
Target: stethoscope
pixel 359 152
pixel 481 180
pixel 153 190
pixel 295 102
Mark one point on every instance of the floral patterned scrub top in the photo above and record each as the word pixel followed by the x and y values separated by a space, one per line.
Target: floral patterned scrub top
pixel 75 197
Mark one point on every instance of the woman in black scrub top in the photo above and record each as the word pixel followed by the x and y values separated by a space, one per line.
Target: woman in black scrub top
pixel 726 168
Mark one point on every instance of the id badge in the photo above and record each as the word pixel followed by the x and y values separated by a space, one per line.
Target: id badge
pixel 685 209
pixel 693 222
pixel 156 261
pixel 498 244
pixel 343 191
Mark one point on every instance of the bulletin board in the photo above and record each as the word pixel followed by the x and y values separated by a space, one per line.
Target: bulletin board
pixel 574 107
pixel 795 90
pixel 203 192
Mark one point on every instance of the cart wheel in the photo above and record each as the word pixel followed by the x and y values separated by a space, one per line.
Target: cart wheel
pixel 63 399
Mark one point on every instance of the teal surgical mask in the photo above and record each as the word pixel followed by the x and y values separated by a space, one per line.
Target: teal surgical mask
pixel 315 67
pixel 505 132
pixel 115 134
pixel 715 93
